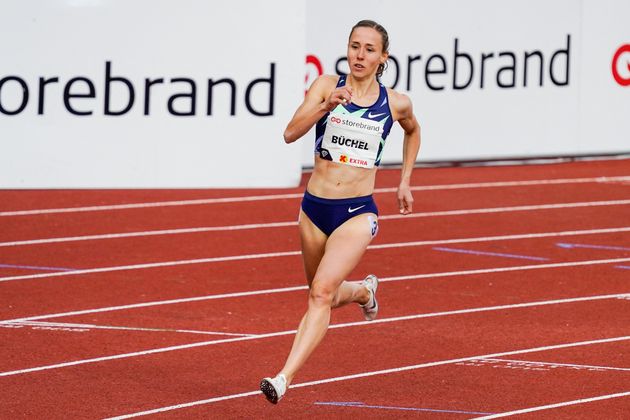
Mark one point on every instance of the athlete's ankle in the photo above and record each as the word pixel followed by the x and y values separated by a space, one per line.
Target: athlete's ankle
pixel 288 378
pixel 363 295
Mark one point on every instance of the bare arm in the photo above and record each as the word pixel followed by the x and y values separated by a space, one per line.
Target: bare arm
pixel 321 98
pixel 411 146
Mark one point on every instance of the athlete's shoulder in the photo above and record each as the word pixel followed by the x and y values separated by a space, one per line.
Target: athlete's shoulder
pixel 399 103
pixel 322 86
pixel 326 80
pixel 398 99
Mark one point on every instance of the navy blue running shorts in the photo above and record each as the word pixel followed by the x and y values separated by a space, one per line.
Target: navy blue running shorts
pixel 328 214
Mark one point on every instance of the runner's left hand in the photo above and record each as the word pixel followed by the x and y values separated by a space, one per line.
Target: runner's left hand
pixel 405 199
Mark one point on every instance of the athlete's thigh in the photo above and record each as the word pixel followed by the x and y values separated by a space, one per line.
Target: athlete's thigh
pixel 344 249
pixel 313 245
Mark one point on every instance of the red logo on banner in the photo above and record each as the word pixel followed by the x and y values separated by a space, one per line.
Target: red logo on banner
pixel 343 159
pixel 312 61
pixel 621 59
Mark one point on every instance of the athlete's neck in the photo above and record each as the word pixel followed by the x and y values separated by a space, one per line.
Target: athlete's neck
pixel 363 87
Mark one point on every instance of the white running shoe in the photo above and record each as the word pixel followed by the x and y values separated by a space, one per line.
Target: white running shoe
pixel 274 388
pixel 370 309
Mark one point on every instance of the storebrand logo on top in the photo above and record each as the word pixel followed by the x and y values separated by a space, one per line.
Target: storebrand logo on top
pixel 621 65
pixel 467 65
pixel 361 124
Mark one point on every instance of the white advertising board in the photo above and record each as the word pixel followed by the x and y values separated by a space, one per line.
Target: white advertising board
pixel 605 88
pixel 149 93
pixel 489 79
pixel 195 94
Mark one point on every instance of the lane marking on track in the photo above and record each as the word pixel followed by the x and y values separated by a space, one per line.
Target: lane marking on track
pixel 299 195
pixel 557 405
pixel 554 365
pixel 295 253
pixel 490 254
pixel 389 407
pixel 111 327
pixel 503 237
pixel 331 327
pixel 304 287
pixel 374 373
pixel 204 229
pixel 588 246
pixel 36 267
pixel 161 302
pixel 155 265
pixel 148 233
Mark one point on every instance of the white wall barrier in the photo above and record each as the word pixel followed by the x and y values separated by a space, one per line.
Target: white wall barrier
pixel 604 119
pixel 149 93
pixel 157 93
pixel 491 78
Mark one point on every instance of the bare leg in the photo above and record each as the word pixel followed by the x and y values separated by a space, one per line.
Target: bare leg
pixel 350 292
pixel 331 260
pixel 313 248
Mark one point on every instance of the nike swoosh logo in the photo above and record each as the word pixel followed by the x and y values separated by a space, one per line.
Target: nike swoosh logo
pixel 351 210
pixel 375 115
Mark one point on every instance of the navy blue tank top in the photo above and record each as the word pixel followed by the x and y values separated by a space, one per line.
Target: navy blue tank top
pixel 378 111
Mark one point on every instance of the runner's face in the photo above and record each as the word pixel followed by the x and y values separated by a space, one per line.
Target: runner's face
pixel 365 52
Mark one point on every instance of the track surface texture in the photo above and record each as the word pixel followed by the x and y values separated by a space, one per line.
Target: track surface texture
pixel 505 294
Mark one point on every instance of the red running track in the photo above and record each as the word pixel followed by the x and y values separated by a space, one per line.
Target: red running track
pixel 506 293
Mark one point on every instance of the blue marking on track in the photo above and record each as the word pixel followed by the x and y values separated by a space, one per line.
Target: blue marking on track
pixel 342 404
pixel 492 254
pixel 607 247
pixel 34 267
pixel 386 407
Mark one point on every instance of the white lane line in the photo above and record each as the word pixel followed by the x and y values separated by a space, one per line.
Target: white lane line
pixel 502 237
pixel 557 405
pixel 111 327
pixel 160 303
pixel 294 253
pixel 148 233
pixel 304 287
pixel 185 405
pixel 507 269
pixel 333 326
pixel 551 364
pixel 155 265
pixel 373 373
pixel 299 195
pixel 151 204
pixel 203 229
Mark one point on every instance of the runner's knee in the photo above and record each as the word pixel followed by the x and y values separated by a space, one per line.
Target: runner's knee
pixel 321 294
pixel 335 300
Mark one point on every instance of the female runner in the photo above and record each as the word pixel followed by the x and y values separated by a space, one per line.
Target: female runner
pixel 338 217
